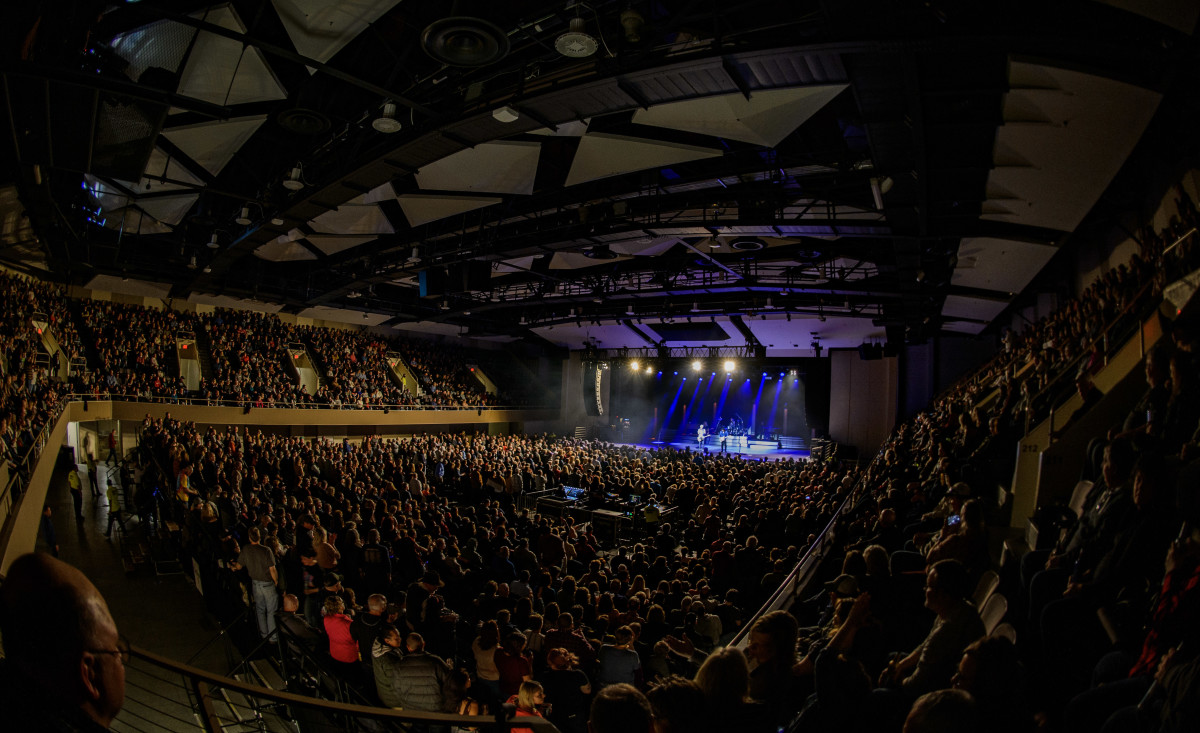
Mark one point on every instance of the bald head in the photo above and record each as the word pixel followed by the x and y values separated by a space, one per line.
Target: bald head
pixel 59 634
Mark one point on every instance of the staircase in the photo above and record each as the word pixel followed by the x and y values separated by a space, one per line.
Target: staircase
pixel 91 357
pixel 204 352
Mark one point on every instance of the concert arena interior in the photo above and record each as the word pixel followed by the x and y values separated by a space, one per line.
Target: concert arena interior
pixel 605 366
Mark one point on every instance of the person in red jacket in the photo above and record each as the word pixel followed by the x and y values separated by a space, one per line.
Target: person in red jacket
pixel 528 699
pixel 343 649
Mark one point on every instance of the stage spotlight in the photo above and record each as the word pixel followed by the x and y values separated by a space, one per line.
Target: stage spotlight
pixel 729 366
pixel 634 365
pixel 696 365
pixel 781 374
pixel 650 370
pixel 675 373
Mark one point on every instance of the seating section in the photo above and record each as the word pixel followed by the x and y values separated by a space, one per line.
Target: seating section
pixel 135 348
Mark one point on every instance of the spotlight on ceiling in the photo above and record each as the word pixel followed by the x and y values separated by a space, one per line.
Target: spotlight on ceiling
pixel 387 122
pixel 505 114
pixel 632 22
pixel 465 41
pixel 192 263
pixel 244 217
pixel 576 43
pixel 277 221
pixel 650 370
pixel 524 321
pixel 729 366
pixel 294 181
pixel 444 305
pixel 696 365
pixel 213 243
pixel 415 256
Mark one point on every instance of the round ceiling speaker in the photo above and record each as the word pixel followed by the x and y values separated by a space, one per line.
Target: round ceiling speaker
pixel 464 41
pixel 576 43
pixel 748 244
pixel 302 121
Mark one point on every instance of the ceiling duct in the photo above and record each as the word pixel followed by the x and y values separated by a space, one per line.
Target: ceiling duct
pixel 465 39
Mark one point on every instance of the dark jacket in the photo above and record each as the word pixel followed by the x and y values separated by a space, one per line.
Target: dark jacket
pixel 363 629
pixel 412 682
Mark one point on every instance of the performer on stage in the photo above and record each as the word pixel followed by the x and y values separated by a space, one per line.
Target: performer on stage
pixel 724 438
pixel 701 434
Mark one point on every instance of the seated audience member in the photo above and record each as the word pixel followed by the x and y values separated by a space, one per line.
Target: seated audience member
pixel 679 706
pixel 725 679
pixel 299 635
pixel 931 665
pixel 528 699
pixel 620 709
pixel 567 690
pixel 772 653
pixel 366 627
pixel 990 671
pixel 421 678
pixel 386 655
pixel 943 711
pixel 513 664
pixel 64 661
pixel 618 662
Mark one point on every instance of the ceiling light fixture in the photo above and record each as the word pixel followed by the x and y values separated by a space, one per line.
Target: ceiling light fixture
pixel 192 263
pixel 506 114
pixel 386 122
pixel 633 22
pixel 213 243
pixel 293 182
pixel 576 43
pixel 244 217
pixel 277 221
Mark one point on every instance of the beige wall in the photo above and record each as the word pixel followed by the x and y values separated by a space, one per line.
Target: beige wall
pixel 863 399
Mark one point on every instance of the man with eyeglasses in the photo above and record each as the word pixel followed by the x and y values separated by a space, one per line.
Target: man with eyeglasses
pixel 64 665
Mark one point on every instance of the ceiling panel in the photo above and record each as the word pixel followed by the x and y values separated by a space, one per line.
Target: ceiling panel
pixel 765 119
pixel 601 155
pixel 129 286
pixel 423 208
pixel 786 338
pixel 1003 265
pixel 1065 135
pixel 319 28
pixel 331 245
pixel 976 309
pixel 225 71
pixel 342 315
pixel 224 301
pixel 213 144
pixel 500 167
pixel 351 219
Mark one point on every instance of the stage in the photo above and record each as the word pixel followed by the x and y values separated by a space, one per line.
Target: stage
pixel 759 451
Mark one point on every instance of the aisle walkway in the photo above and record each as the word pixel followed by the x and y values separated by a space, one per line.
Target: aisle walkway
pixel 162 614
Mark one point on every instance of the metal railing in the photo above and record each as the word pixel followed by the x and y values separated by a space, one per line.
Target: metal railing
pixel 256 404
pixel 162 694
pixel 22 467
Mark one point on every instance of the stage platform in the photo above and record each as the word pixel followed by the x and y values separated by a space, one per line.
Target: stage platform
pixel 758 450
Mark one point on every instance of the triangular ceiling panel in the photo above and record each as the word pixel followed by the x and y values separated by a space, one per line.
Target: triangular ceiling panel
pixel 319 28
pixel 382 192
pixel 576 260
pixel 133 220
pixel 333 245
pixel 343 315
pixel 161 165
pixel 277 251
pixel 500 167
pixel 223 71
pixel 345 219
pixel 129 286
pixel 601 155
pixel 168 209
pixel 765 119
pixel 570 128
pixel 422 208
pixel 517 264
pixel 213 144
pixel 1002 265
pixel 1065 135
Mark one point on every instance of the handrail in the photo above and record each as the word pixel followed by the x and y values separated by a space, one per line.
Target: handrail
pixel 205 402
pixel 21 465
pixel 803 566
pixel 199 678
pixel 1086 352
